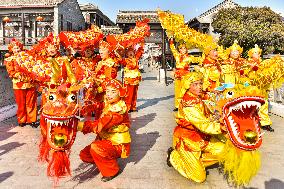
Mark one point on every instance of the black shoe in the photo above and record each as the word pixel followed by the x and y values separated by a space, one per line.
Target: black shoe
pixel 169 156
pixel 176 109
pixel 35 124
pixel 267 128
pixel 22 124
pixel 106 179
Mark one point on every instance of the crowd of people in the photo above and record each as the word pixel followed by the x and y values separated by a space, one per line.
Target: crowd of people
pixel 199 139
pixel 104 96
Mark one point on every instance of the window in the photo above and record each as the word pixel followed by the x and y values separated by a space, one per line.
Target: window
pixel 69 26
pixel 61 22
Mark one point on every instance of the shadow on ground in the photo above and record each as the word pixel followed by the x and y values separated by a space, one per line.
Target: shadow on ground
pixel 274 184
pixel 5 132
pixel 6 175
pixel 6 148
pixel 152 102
pixel 141 143
pixel 85 172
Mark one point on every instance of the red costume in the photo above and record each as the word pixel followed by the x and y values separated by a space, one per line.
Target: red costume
pixel 132 77
pixel 24 89
pixel 113 137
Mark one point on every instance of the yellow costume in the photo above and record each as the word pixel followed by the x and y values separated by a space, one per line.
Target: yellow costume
pixel 195 146
pixel 250 72
pixel 182 68
pixel 211 74
pixel 230 66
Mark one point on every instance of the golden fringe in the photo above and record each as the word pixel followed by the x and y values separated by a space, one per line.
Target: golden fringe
pixel 239 165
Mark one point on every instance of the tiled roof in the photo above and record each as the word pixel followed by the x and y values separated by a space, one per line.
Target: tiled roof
pixel 24 3
pixel 133 16
pixel 88 6
pixel 223 4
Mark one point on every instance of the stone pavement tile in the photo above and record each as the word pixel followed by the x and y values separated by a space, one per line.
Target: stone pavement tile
pixel 186 184
pixel 148 183
pixel 136 173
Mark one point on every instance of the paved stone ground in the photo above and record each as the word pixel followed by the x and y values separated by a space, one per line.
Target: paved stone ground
pixel 152 129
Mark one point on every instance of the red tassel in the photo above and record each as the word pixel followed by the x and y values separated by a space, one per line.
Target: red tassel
pixel 64 72
pixel 59 165
pixel 43 150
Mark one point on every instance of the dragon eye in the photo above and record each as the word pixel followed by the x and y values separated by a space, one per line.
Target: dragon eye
pixel 51 97
pixel 230 94
pixel 72 98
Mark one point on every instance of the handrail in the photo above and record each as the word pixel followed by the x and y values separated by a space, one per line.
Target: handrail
pixel 29 41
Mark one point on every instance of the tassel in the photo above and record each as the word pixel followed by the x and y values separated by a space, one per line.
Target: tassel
pixel 43 150
pixel 59 165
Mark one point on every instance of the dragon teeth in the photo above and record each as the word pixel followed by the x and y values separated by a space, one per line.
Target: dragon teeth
pixel 58 123
pixel 244 105
pixel 261 134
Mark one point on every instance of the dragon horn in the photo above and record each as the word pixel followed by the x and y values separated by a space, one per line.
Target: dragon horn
pixel 55 70
pixel 70 74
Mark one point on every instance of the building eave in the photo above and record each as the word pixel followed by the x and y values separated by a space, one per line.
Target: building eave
pixel 25 6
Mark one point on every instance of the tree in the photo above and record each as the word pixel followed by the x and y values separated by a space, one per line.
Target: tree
pixel 249 26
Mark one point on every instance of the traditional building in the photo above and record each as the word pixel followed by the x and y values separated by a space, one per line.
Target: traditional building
pixel 157 40
pixel 111 30
pixel 203 22
pixel 30 20
pixel 93 15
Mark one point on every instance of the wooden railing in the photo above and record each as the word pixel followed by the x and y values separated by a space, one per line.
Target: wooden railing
pixel 29 41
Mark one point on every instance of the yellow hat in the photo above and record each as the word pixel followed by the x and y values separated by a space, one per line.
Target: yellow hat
pixel 181 45
pixel 256 49
pixel 235 46
pixel 188 79
pixel 209 47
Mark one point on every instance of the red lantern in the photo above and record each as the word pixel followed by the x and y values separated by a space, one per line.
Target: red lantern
pixel 39 18
pixel 255 68
pixel 7 55
pixel 6 19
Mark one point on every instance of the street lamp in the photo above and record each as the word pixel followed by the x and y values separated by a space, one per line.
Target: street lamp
pixel 39 18
pixel 6 19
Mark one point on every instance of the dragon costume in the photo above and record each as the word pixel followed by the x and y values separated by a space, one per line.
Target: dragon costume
pixel 201 138
pixel 61 104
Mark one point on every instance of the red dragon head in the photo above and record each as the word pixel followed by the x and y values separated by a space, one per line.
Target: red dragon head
pixel 59 119
pixel 59 114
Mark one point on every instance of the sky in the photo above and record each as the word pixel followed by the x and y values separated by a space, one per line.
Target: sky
pixel 189 8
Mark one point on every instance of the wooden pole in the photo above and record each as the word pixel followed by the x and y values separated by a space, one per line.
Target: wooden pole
pixel 164 56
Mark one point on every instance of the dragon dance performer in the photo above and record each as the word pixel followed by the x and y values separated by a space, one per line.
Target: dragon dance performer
pixel 211 70
pixel 112 129
pixel 182 68
pixel 84 68
pixel 105 70
pixel 86 64
pixel 232 64
pixel 253 63
pixel 47 49
pixel 132 76
pixel 194 144
pixel 24 88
